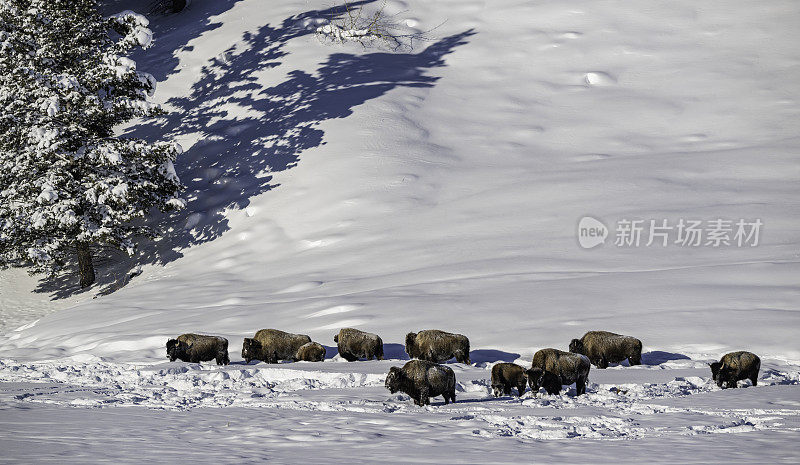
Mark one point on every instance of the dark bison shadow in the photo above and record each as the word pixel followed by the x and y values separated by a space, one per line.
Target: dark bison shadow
pixel 657 357
pixel 395 352
pixel 330 352
pixel 242 362
pixel 237 153
pixel 480 400
pixel 492 355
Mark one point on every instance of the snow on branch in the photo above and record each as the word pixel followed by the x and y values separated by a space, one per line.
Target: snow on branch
pixel 354 24
pixel 133 29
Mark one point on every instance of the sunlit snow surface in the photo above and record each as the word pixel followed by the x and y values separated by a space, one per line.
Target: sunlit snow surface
pixel 441 187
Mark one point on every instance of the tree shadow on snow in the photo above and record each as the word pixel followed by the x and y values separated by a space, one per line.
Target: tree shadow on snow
pixel 171 32
pixel 248 132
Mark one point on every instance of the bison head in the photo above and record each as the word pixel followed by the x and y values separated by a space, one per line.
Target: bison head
pixel 251 348
pixel 535 378
pixel 410 341
pixel 726 375
pixel 715 370
pixel 497 389
pixel 576 346
pixel 393 379
pixel 176 349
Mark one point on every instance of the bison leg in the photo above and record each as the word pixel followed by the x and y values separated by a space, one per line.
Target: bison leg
pixel 603 363
pixel 424 398
pixel 635 360
pixel 520 390
pixel 754 380
pixel 507 389
pixel 580 386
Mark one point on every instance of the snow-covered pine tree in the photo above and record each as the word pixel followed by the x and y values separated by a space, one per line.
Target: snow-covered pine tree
pixel 66 182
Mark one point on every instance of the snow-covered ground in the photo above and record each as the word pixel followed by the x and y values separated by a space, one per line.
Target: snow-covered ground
pixel 93 410
pixel 441 187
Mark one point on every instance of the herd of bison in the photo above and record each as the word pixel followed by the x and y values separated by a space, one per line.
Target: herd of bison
pixel 424 376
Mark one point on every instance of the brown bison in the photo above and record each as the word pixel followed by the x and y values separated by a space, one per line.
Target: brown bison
pixel 603 347
pixel 354 344
pixel 570 368
pixel 422 380
pixel 508 375
pixel 736 366
pixel 196 348
pixel 272 345
pixel 437 346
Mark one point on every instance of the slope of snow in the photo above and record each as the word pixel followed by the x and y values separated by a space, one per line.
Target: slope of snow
pixel 441 187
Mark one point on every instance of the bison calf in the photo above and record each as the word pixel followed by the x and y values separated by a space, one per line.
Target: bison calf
pixel 310 352
pixel 568 367
pixel 508 375
pixel 354 344
pixel 736 366
pixel 272 345
pixel 603 347
pixel 196 348
pixel 422 380
pixel 437 346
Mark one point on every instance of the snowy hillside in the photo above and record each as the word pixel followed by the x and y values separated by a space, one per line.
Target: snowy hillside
pixel 441 187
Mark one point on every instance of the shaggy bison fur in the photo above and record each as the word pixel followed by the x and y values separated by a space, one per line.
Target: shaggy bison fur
pixel 508 375
pixel 354 344
pixel 272 345
pixel 568 367
pixel 437 346
pixel 310 352
pixel 422 380
pixel 736 366
pixel 603 347
pixel 538 378
pixel 196 348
